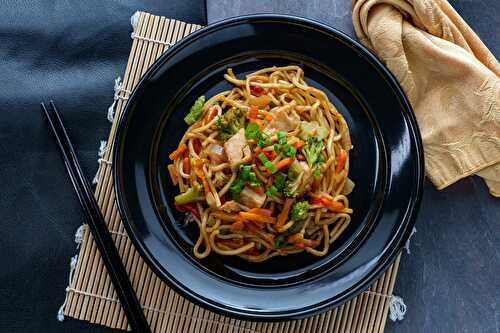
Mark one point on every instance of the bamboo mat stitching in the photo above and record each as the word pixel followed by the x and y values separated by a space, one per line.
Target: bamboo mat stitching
pixel 366 313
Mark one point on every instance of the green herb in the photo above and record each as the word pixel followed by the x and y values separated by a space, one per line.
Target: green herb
pixel 299 210
pixel 281 138
pixel 271 190
pixel 267 164
pixel 279 182
pixel 238 184
pixel 253 132
pixel 230 123
pixel 288 150
pixel 252 177
pixel 196 111
pixel 264 140
pixel 317 172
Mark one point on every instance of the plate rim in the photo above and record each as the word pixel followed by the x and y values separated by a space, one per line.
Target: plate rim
pixel 389 253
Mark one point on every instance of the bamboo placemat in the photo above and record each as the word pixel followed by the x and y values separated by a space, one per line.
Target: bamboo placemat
pixel 90 295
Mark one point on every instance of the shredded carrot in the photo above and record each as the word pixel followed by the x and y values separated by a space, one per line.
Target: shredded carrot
pixel 197 146
pixel 340 160
pixel 295 238
pixel 300 245
pixel 256 90
pixel 257 189
pixel 237 226
pixel 258 218
pixel 268 117
pixel 284 212
pixel 270 154
pixel 261 211
pixel 186 165
pixel 198 169
pixel 254 111
pixel 284 163
pixel 206 187
pixel 334 206
pixel 173 174
pixel 178 152
pixel 299 144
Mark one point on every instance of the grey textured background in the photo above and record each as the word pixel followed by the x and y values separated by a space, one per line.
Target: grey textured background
pixel 450 281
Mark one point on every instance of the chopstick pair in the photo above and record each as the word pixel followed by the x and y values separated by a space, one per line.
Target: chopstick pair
pixel 95 220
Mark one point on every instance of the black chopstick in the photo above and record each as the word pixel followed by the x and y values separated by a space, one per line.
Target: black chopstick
pixel 97 225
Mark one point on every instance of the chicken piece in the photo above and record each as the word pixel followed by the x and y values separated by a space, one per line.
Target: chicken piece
pixel 237 149
pixel 307 178
pixel 216 153
pixel 284 120
pixel 251 199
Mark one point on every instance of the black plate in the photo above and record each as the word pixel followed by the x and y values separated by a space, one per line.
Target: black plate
pixel 386 165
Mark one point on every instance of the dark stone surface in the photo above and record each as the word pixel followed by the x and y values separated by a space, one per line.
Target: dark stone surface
pixel 450 281
pixel 70 51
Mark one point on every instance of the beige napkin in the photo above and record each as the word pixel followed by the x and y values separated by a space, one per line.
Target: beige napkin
pixel 450 77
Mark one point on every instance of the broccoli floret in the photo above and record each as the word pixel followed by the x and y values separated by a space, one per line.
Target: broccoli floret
pixel 312 150
pixel 230 123
pixel 196 111
pixel 299 210
pixel 294 176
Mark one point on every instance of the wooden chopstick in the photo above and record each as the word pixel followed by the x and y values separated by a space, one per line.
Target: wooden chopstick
pixel 126 294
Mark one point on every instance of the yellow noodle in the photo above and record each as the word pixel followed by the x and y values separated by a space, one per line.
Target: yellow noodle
pixel 287 92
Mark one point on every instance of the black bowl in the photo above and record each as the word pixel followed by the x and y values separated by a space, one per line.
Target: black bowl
pixel 386 165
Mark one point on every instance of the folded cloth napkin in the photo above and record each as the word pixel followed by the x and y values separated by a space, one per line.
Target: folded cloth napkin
pixel 450 77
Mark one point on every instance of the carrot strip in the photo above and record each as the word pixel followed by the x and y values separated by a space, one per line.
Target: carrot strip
pixel 299 144
pixel 173 174
pixel 186 165
pixel 198 169
pixel 258 218
pixel 268 117
pixel 284 163
pixel 261 211
pixel 340 159
pixel 295 238
pixel 178 152
pixel 284 212
pixel 300 245
pixel 254 111
pixel 237 226
pixel 197 146
pixel 333 205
